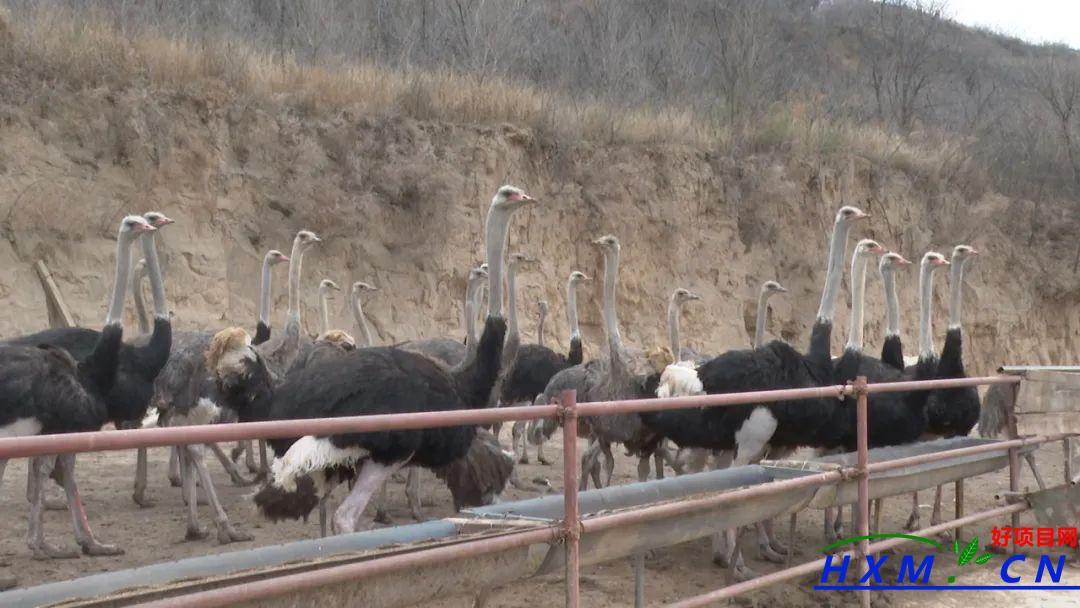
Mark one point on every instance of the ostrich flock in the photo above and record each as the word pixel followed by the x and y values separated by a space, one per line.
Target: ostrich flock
pixel 75 379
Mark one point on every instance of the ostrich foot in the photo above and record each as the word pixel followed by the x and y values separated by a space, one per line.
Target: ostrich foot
pixel 236 453
pixel 524 459
pixel 741 573
pixel 140 499
pixel 56 504
pixel 197 533
pixel 43 550
pixel 913 522
pixel 229 534
pixel 417 514
pixel 94 547
pixel 769 555
pixel 383 517
pixel 779 547
pixel 543 460
pixel 174 481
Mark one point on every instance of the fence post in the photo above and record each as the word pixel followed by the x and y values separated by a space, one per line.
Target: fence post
pixel 864 481
pixel 571 519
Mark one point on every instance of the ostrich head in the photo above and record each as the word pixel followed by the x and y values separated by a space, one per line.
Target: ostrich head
pixel 306 238
pixel 229 352
pixel 478 274
pixel 868 248
pixel 848 214
pixel 134 225
pixel 934 259
pixel 338 338
pixel 577 277
pixel 275 257
pixel 892 261
pixel 326 285
pixel 607 244
pixel 682 296
pixel 157 219
pixel 961 253
pixel 772 287
pixel 509 198
pixel 361 287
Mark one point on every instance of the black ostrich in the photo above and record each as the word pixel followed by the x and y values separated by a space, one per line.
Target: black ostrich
pixel 951 412
pixel 749 429
pixel 262 328
pixel 369 381
pixel 44 389
pixel 539 365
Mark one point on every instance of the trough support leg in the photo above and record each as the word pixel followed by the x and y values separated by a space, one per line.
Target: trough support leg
pixel 959 503
pixel 1030 458
pixel 571 520
pixel 1066 448
pixel 639 580
pixel 864 483
pixel 792 523
pixel 1014 487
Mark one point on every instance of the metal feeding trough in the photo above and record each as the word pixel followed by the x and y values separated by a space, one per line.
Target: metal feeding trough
pixel 175 579
pixel 902 480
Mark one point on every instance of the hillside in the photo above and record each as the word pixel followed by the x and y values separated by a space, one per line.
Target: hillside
pixel 95 122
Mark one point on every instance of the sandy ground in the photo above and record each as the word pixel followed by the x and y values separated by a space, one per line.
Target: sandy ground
pixel 156 534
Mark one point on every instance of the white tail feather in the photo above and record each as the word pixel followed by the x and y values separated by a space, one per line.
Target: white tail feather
pixel 310 454
pixel 680 380
pixel 150 420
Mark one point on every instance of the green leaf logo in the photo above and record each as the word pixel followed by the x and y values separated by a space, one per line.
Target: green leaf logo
pixel 968 552
pixel 982 559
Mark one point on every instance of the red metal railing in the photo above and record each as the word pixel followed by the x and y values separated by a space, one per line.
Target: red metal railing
pixel 572 527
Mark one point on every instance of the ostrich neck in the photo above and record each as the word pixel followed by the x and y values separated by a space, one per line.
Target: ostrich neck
pixel 264 293
pixel 926 294
pixel 762 314
pixel 571 310
pixel 324 311
pixel 834 272
pixel 477 306
pixel 892 303
pixel 292 322
pixel 497 231
pixel 361 322
pixel 123 270
pixel 157 286
pixel 540 329
pixel 511 298
pixel 140 304
pixel 956 293
pixel 858 293
pixel 611 320
pixel 673 328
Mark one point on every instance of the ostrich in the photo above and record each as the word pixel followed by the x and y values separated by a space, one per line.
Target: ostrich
pixel 358 289
pixel 951 412
pixel 46 388
pixel 262 328
pixel 538 432
pixel 892 350
pixel 138 274
pixel 679 298
pixel 280 350
pixel 325 287
pixel 366 381
pixel 748 429
pixel 694 459
pixel 511 348
pixel 451 351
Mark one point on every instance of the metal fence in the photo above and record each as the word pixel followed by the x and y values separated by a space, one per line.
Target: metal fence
pixel 568 533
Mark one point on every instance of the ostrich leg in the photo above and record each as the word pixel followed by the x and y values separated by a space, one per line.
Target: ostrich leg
pixel 38 471
pixel 230 467
pixel 226 532
pixel 412 493
pixel 65 475
pixel 174 467
pixel 350 514
pixel 139 496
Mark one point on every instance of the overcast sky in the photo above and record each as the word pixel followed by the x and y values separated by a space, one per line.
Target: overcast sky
pixel 1032 20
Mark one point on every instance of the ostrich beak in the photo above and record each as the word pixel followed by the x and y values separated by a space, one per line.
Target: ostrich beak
pixel 781 289
pixel 144 228
pixel 164 221
pixel 693 296
pixel 284 258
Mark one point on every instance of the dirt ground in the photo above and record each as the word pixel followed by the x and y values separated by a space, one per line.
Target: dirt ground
pixel 156 534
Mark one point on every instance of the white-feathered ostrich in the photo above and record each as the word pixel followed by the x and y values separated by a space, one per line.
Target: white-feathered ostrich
pixel 359 288
pixel 750 428
pixel 367 381
pixel 537 432
pixel 951 412
pixel 325 287
pixel 46 389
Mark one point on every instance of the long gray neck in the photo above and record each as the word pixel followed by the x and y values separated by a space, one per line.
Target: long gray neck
pixel 292 320
pixel 497 230
pixel 324 310
pixel 834 272
pixel 673 326
pixel 892 303
pixel 361 321
pixel 477 308
pixel 926 297
pixel 540 328
pixel 611 320
pixel 511 297
pixel 121 276
pixel 956 292
pixel 858 293
pixel 157 286
pixel 571 309
pixel 762 316
pixel 140 304
pixel 264 292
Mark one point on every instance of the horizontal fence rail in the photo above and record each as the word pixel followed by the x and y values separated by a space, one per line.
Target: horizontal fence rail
pixel 569 530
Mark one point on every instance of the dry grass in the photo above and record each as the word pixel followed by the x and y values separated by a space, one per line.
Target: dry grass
pixel 89 51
